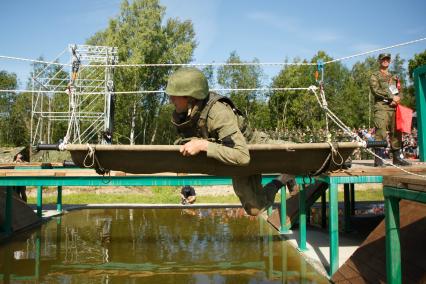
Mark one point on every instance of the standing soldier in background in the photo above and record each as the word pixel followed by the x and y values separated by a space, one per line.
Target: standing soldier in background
pixel 208 122
pixel 385 88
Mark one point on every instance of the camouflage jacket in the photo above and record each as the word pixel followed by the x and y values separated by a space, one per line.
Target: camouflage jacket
pixel 379 87
pixel 221 128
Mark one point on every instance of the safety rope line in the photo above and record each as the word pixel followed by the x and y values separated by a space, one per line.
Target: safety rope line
pixel 158 91
pixel 348 132
pixel 216 64
pixel 375 50
pixel 91 154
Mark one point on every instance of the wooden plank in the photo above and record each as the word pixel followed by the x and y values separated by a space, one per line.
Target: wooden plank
pixel 406 181
pixel 370 170
pixel 368 261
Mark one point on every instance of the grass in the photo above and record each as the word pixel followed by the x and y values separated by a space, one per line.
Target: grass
pixel 169 195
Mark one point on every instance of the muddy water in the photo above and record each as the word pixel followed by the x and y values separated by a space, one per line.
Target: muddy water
pixel 153 246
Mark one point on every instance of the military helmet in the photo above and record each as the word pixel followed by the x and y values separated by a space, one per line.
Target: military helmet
pixel 384 55
pixel 188 81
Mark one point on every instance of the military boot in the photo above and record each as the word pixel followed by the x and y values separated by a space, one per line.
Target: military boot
pixel 377 161
pixel 292 186
pixel 398 160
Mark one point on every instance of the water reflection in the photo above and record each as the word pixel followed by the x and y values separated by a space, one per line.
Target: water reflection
pixel 155 246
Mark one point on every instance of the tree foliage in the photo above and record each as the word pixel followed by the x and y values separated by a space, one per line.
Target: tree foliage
pixel 142 35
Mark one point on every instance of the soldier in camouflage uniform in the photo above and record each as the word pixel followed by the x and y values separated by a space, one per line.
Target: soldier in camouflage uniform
pixel 209 122
pixel 383 86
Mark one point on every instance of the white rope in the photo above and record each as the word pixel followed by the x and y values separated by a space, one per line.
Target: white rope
pixel 33 60
pixel 158 91
pixel 348 131
pixel 216 64
pixel 376 50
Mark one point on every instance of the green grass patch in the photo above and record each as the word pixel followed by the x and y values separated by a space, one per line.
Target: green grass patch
pixel 170 195
pixel 156 195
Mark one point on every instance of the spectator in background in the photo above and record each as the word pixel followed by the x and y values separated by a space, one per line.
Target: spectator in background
pixel 20 190
pixel 187 195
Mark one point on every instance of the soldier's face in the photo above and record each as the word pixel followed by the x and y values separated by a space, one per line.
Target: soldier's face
pixel 385 62
pixel 180 103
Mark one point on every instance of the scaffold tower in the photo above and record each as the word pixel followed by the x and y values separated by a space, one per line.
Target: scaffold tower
pixel 86 89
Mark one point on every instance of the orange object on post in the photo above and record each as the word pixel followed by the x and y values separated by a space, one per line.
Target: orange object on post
pixel 404 116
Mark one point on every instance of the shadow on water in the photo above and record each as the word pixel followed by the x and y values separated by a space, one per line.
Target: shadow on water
pixel 154 246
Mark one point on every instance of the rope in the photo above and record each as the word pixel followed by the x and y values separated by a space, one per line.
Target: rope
pixel 376 50
pixel 158 91
pixel 347 131
pixel 216 64
pixel 335 153
pixel 90 154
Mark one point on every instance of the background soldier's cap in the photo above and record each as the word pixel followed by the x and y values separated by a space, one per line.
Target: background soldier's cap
pixel 384 55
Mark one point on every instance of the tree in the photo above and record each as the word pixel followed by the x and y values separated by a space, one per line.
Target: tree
pixel 417 61
pixel 242 77
pixel 143 36
pixel 364 102
pixel 8 81
pixel 293 109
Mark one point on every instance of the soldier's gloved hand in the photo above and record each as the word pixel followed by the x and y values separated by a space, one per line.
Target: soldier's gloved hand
pixel 396 99
pixel 194 147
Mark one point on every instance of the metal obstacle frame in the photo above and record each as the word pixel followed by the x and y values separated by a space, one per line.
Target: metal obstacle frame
pixel 90 94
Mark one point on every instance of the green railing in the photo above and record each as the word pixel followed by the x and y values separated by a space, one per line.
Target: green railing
pixel 419 76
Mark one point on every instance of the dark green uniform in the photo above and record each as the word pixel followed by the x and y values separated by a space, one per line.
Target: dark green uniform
pixel 384 113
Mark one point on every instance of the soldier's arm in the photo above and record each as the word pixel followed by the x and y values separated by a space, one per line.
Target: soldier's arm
pixel 376 90
pixel 232 149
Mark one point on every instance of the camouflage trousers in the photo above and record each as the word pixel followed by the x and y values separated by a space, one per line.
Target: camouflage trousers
pixel 255 197
pixel 384 120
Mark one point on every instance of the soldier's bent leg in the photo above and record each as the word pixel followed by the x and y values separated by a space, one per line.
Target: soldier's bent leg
pixel 255 198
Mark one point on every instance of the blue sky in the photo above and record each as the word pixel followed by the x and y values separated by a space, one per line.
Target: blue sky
pixel 268 30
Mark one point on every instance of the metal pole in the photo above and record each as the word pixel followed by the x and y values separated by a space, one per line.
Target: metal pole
pixel 39 201
pixel 333 227
pixel 419 75
pixel 347 208
pixel 302 218
pixel 352 189
pixel 283 215
pixel 393 246
pixel 323 210
pixel 59 200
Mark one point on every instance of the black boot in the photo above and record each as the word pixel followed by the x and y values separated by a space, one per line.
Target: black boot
pixel 292 186
pixel 378 162
pixel 397 160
